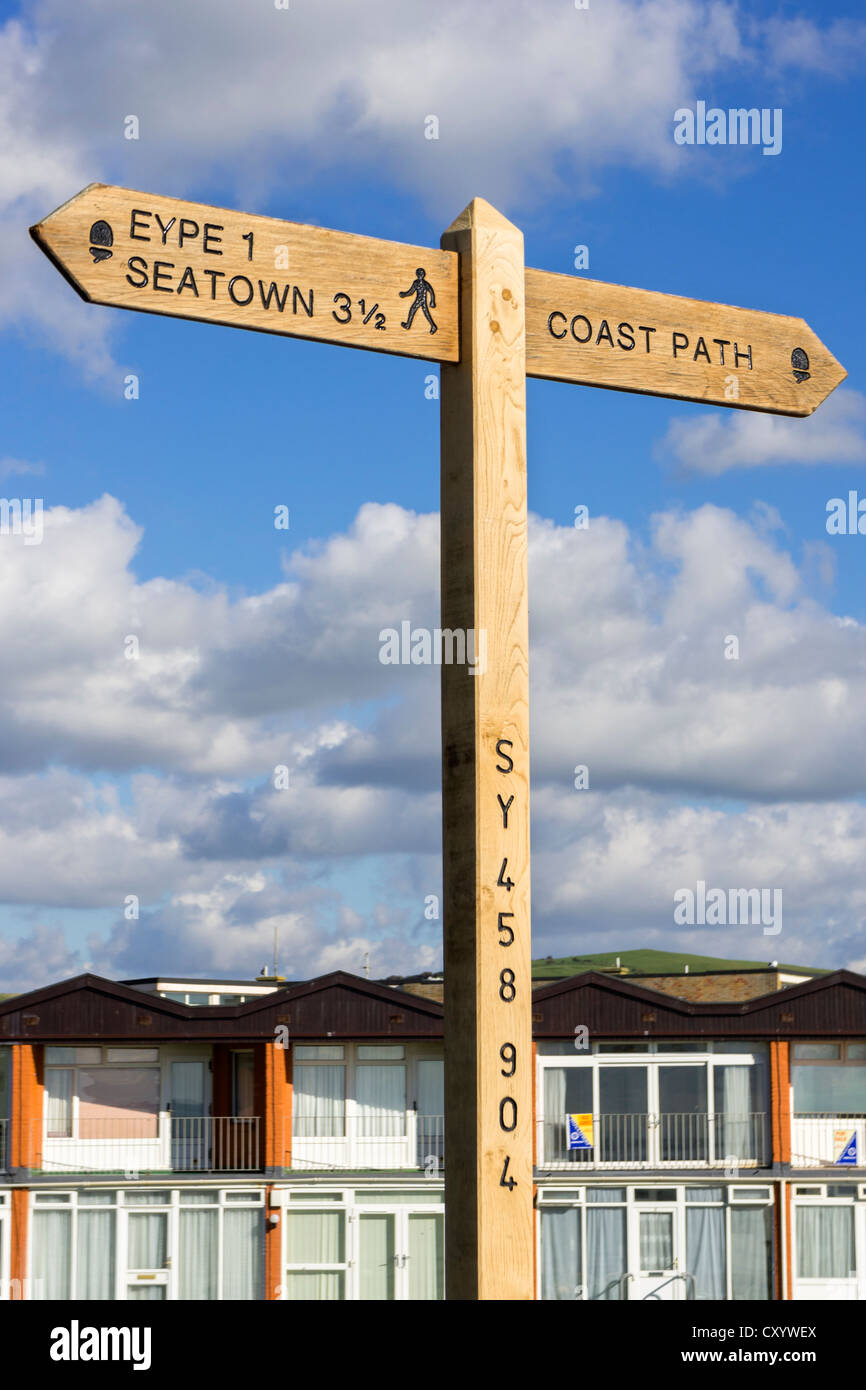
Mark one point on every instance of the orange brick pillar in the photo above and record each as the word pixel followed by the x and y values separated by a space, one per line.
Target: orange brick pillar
pixel 18 1244
pixel 274 1066
pixel 780 1136
pixel 25 1147
pixel 780 1101
pixel 273 1248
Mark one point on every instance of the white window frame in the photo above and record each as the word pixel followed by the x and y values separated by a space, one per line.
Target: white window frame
pixel 69 1200
pixel 352 1206
pixel 651 1061
pixel 550 1196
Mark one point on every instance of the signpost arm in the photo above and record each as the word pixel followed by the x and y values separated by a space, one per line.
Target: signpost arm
pixel 485 793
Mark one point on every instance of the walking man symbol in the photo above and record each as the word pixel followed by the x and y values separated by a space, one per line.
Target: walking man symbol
pixel 422 290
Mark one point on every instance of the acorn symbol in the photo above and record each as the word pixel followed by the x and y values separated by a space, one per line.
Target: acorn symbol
pixel 101 238
pixel 800 364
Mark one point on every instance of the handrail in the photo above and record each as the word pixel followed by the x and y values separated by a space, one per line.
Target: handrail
pixel 691 1287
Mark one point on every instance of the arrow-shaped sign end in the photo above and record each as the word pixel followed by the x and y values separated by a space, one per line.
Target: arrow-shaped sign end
pixel 45 234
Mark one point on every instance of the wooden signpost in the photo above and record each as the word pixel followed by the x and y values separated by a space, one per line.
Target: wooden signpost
pixel 491 322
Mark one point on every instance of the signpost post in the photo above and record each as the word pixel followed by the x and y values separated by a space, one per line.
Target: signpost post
pixel 490 322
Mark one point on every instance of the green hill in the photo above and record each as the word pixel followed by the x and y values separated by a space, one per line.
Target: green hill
pixel 650 963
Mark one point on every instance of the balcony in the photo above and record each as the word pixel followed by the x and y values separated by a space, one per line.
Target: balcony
pixel 382 1142
pixel 151 1144
pixel 819 1139
pixel 631 1141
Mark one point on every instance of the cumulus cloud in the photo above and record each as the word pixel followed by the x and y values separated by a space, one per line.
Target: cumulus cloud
pixel 248 102
pixel 713 444
pixel 157 776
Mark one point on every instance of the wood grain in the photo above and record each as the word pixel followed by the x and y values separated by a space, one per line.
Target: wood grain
pixel 630 346
pixel 489 1225
pixel 208 275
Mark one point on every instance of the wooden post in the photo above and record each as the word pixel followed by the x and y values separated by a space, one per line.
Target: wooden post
pixel 485 791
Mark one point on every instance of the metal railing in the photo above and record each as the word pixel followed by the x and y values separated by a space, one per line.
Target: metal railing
pixel 4 1133
pixel 690 1284
pixel 819 1139
pixel 398 1139
pixel 656 1140
pixel 148 1144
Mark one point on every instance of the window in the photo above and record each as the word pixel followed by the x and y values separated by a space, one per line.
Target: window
pixel 243 1084
pixel 358 1092
pixel 319 1108
pixel 594 1249
pixel 315 1255
pixel 829 1079
pixel 96 1101
pixel 376 1245
pixel 166 1243
pixel 657 1109
pixel 825 1242
pixel 118 1101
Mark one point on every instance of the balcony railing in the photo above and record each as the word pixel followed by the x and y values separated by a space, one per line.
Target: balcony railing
pixel 821 1139
pixel 4 1155
pixel 378 1141
pixel 149 1144
pixel 656 1141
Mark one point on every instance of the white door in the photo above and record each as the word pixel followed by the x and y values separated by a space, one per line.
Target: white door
pixel 400 1255
pixel 190 1130
pixel 654 1255
pixel 379 1128
pixel 148 1264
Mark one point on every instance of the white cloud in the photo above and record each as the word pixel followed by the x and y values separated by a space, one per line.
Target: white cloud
pixel 713 443
pixel 258 99
pixel 629 677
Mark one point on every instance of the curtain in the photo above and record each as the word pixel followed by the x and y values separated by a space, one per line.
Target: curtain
pixel 197 1275
pixel 315 1237
pixel 554 1116
pixel 52 1252
pixel 825 1242
pixel 605 1252
pixel 734 1132
pixel 560 1253
pixel 656 1240
pixel 190 1129
pixel 58 1087
pixel 243 1253
pixel 431 1111
pixel 705 1250
pixel 750 1252
pixel 147 1240
pixel 426 1256
pixel 319 1106
pixel 380 1092
pixel 95 1253
pixel 320 1287
pixel 376 1250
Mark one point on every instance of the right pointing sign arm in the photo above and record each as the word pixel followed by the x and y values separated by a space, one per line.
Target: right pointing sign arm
pixel 660 344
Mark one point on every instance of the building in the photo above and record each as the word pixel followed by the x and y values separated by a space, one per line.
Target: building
pixel 291 1145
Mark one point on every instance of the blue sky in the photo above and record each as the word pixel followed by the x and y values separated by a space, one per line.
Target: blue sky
pixel 262 643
